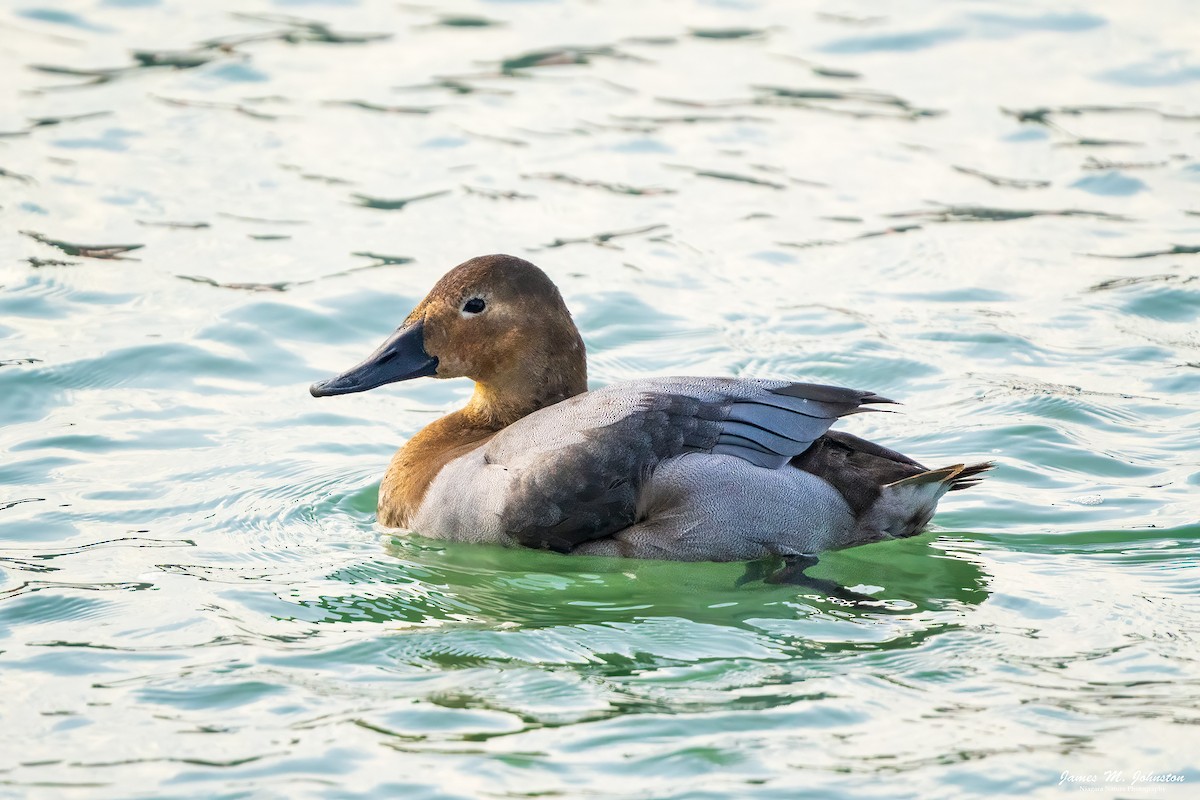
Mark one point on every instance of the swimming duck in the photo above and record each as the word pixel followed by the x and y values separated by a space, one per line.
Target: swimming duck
pixel 689 469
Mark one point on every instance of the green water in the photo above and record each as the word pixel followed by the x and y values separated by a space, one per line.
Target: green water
pixel 195 600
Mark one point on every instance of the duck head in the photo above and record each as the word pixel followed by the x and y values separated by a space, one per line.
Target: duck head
pixel 497 320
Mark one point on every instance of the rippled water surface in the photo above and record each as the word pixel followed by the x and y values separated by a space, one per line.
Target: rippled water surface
pixel 989 210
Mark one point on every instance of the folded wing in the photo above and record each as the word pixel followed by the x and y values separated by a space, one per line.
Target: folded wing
pixel 574 469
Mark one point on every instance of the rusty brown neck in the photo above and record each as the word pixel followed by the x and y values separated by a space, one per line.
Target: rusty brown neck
pixel 501 402
pixel 494 406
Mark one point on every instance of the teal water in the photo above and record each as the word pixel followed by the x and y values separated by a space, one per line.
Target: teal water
pixel 988 210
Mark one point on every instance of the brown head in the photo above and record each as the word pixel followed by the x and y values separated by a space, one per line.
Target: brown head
pixel 497 320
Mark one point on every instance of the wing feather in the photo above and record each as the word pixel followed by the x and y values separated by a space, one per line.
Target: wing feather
pixel 577 467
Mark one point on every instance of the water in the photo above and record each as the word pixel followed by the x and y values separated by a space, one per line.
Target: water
pixel 196 601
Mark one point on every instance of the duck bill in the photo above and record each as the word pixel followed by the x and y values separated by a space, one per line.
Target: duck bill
pixel 400 358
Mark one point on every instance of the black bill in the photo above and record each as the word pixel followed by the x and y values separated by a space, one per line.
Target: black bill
pixel 399 358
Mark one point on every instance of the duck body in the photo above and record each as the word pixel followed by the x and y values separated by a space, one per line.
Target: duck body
pixel 684 468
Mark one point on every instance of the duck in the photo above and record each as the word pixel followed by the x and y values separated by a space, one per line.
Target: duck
pixel 675 468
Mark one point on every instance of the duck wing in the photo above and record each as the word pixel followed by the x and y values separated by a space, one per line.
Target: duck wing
pixel 574 469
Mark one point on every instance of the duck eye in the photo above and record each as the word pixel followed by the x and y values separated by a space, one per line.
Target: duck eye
pixel 474 305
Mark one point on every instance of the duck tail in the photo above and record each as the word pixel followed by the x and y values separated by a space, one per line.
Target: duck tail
pixel 970 476
pixel 905 506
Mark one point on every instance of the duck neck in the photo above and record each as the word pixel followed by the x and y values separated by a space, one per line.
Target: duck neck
pixel 551 369
pixel 502 400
